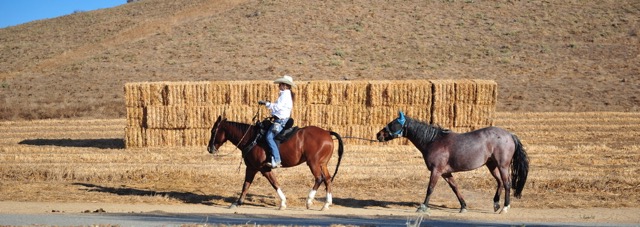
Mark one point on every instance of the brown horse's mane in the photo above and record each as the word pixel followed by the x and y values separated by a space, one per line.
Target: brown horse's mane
pixel 421 132
pixel 243 127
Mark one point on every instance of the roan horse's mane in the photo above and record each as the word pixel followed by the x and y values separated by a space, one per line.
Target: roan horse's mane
pixel 422 132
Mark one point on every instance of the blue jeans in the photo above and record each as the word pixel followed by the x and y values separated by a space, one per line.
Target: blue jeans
pixel 275 128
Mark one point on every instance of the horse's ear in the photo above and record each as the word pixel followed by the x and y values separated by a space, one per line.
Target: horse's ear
pixel 401 118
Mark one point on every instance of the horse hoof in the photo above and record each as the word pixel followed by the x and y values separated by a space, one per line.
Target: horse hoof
pixel 463 210
pixel 325 207
pixel 282 208
pixel 496 207
pixel 309 205
pixel 422 209
pixel 233 206
pixel 504 210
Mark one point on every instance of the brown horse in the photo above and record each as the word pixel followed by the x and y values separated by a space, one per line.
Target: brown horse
pixel 446 152
pixel 310 144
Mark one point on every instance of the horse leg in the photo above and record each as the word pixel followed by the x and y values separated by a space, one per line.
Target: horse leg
pixel 433 180
pixel 319 177
pixel 249 175
pixel 506 180
pixel 274 183
pixel 448 177
pixel 493 168
pixel 327 183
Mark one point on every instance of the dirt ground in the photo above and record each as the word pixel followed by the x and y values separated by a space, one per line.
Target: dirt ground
pixel 566 215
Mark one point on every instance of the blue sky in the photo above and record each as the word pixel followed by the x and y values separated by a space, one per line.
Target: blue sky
pixel 15 12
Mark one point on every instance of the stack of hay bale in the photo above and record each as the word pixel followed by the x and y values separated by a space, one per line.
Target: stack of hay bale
pixel 182 113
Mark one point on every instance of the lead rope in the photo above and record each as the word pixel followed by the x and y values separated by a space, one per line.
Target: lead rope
pixel 359 138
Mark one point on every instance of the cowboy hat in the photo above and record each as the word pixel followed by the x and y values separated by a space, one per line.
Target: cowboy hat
pixel 286 79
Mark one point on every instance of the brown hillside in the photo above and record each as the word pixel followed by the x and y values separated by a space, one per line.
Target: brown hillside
pixel 545 55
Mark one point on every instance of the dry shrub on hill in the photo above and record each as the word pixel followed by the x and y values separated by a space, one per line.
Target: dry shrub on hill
pixel 545 55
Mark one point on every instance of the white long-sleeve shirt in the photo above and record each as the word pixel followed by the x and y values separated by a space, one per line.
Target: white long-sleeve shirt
pixel 283 106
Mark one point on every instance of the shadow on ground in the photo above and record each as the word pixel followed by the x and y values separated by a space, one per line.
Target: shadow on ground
pixel 186 197
pixel 97 143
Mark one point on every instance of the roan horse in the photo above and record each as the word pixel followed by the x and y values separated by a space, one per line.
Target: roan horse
pixel 310 144
pixel 445 152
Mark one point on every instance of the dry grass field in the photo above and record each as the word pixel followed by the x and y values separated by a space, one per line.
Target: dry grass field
pixel 578 160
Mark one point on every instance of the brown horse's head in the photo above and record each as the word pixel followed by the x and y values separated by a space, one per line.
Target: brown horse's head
pixel 218 137
pixel 393 130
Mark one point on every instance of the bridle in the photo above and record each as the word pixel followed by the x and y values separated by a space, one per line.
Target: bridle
pixel 215 133
pixel 399 132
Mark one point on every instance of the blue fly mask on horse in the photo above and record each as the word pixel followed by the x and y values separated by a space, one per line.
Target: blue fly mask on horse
pixel 396 130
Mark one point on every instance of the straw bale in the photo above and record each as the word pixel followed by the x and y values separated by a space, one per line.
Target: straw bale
pixel 465 91
pixel 241 113
pixel 164 137
pixel 200 116
pixel 382 115
pixel 134 137
pixel 357 93
pixel 135 116
pixel 316 114
pixel 174 93
pixel 166 117
pixel 236 94
pixel 358 115
pixel 418 112
pixel 301 93
pixel 132 95
pixel 338 115
pixel 483 115
pixel 408 92
pixel 157 94
pixel 442 111
pixel 418 92
pixel 196 137
pixel 219 92
pixel 198 93
pixel 317 92
pixel 487 92
pixel 300 115
pixel 347 92
pixel 136 94
pixel 377 93
pixel 260 90
pixel 464 115
pixel 154 137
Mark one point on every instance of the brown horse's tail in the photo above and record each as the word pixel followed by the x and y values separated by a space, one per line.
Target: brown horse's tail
pixel 340 151
pixel 519 168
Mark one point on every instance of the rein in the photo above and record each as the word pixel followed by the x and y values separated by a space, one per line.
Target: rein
pixel 242 138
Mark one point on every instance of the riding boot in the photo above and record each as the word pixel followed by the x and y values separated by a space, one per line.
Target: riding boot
pixel 277 161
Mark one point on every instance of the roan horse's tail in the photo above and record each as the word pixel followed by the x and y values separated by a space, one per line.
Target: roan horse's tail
pixel 519 168
pixel 340 151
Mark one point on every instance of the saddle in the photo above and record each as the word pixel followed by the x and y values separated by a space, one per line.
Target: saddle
pixel 287 131
pixel 262 126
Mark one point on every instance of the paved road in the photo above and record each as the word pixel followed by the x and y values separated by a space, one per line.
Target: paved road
pixel 172 219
